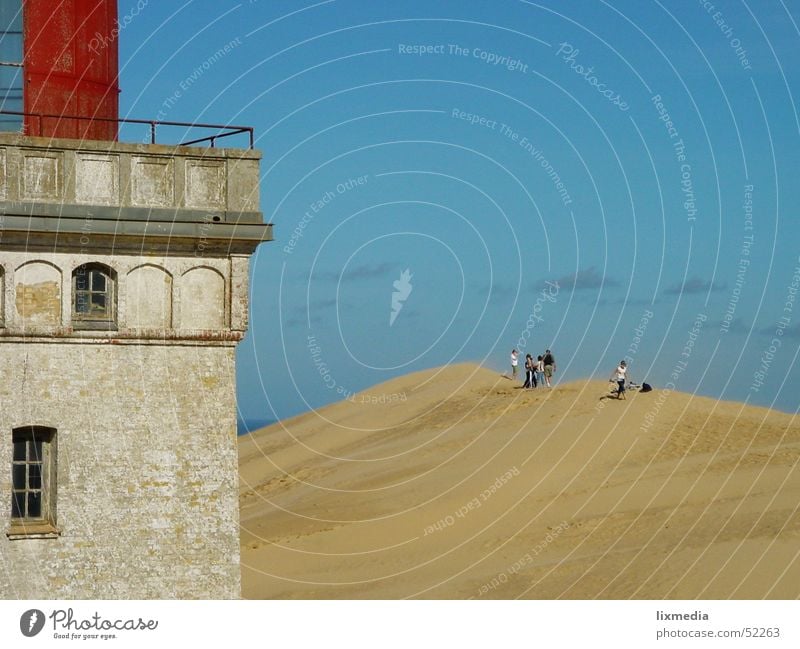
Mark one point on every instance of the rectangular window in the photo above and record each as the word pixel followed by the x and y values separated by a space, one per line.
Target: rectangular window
pixel 11 73
pixel 33 483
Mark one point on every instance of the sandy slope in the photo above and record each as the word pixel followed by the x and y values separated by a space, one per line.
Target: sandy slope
pixel 471 488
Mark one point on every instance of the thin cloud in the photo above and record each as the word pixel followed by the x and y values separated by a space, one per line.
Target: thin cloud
pixel 296 321
pixel 298 316
pixel 587 279
pixel 631 301
pixel 317 305
pixel 496 291
pixel 314 306
pixel 362 272
pixel 737 326
pixel 692 286
pixel 792 332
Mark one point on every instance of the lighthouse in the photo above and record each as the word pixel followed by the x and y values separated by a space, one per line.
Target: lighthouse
pixel 123 295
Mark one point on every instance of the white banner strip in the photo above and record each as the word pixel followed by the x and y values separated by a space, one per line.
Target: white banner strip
pixel 382 624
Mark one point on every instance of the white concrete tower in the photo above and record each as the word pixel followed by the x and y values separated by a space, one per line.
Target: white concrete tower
pixel 123 294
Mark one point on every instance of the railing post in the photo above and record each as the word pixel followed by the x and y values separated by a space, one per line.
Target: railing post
pixel 152 132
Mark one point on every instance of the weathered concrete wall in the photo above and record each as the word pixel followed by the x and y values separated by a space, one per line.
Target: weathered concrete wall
pixel 240 283
pixel 127 175
pixel 182 296
pixel 97 178
pixel 147 470
pixel 2 296
pixel 148 298
pixel 37 294
pixel 199 291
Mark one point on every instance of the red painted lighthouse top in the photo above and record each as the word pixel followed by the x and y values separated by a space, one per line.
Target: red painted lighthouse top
pixel 70 58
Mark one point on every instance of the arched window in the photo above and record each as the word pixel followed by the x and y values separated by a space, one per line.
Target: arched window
pixel 94 297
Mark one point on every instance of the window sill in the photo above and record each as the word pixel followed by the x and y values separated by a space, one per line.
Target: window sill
pixel 94 325
pixel 17 531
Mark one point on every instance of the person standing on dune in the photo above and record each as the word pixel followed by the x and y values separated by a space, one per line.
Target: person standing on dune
pixel 549 367
pixel 530 377
pixel 619 376
pixel 514 363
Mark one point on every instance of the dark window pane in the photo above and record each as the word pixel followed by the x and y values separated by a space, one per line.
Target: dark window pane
pixel 18 472
pixel 98 302
pixel 82 303
pixel 34 504
pixel 34 476
pixel 35 450
pixel 17 504
pixel 98 281
pixel 81 281
pixel 19 451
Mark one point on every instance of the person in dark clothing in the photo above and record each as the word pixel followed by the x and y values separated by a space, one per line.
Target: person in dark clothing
pixel 530 375
pixel 549 367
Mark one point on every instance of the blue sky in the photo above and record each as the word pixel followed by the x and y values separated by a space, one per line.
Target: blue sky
pixel 636 161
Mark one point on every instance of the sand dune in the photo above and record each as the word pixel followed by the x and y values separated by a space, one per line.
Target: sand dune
pixel 472 488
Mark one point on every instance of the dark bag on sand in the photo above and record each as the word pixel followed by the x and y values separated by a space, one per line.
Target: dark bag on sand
pixel 646 387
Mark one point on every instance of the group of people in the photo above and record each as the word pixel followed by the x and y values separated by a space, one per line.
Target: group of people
pixel 537 372
pixel 540 372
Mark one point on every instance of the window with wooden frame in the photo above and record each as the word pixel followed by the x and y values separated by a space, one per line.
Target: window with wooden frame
pixel 33 483
pixel 94 303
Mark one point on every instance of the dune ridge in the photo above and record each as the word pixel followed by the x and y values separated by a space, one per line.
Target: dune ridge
pixel 454 483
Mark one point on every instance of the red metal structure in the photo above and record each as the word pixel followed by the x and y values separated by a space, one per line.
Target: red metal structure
pixel 70 68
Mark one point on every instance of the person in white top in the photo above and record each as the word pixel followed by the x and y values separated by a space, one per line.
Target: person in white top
pixel 620 376
pixel 514 363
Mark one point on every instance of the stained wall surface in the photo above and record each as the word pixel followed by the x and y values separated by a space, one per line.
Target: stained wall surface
pixel 147 503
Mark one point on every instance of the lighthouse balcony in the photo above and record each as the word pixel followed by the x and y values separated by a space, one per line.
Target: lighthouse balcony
pixel 67 194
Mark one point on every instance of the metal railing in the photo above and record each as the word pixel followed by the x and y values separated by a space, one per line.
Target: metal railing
pixel 227 130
